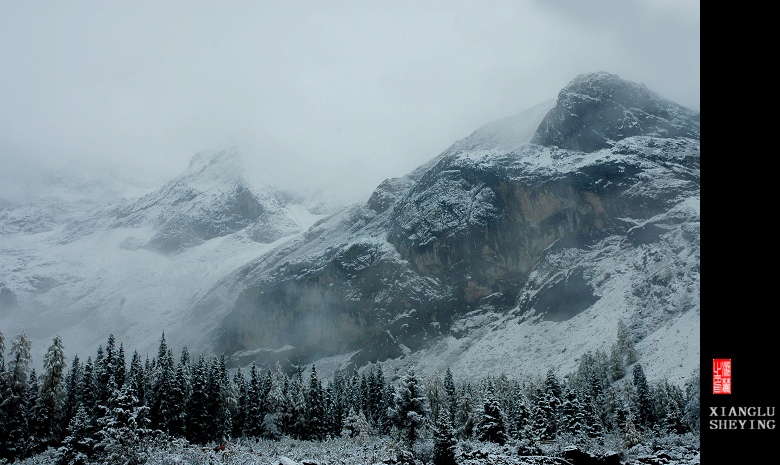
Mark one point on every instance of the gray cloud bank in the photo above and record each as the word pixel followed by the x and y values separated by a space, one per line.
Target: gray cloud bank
pixel 316 94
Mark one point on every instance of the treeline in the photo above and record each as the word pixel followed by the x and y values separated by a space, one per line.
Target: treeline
pixel 101 408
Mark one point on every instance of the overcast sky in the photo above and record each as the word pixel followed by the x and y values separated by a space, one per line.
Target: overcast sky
pixel 316 92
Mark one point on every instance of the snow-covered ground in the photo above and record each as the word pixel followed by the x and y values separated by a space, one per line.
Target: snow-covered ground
pixel 679 450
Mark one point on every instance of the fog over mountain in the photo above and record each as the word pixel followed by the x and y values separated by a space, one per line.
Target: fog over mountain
pixel 518 248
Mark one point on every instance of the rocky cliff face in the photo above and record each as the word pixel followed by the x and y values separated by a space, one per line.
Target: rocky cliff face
pixel 598 109
pixel 494 225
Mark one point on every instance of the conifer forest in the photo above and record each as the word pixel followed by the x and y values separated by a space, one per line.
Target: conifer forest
pixel 183 408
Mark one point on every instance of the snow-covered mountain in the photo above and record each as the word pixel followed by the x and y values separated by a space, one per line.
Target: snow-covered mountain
pixel 87 265
pixel 517 249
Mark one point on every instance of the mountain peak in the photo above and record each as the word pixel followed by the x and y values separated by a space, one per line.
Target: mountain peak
pixel 595 110
pixel 209 166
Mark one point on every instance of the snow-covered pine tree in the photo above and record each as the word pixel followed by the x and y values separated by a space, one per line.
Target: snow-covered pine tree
pixel 573 415
pixel 87 389
pixel 465 420
pixel 52 394
pixel 2 352
pixel 491 427
pixel 437 395
pixel 32 444
pixel 120 367
pixel 239 416
pixel 137 377
pixel 78 445
pixel 593 424
pixel 626 343
pixel 198 421
pixel 298 421
pixel 279 401
pixel 122 429
pixel 162 410
pixel 180 397
pixel 545 415
pixel 444 440
pixel 692 411
pixel 17 378
pixel 644 404
pixel 356 426
pixel 669 407
pixel 339 404
pixel 378 400
pixel 218 400
pixel 315 408
pixel 631 434
pixel 518 415
pixel 617 363
pixel 409 408
pixel 253 420
pixel 72 394
pixel 230 398
pixel 449 387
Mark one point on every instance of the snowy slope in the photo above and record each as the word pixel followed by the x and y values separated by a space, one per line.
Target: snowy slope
pixel 85 269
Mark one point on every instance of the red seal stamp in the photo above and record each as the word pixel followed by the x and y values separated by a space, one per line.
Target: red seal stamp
pixel 721 376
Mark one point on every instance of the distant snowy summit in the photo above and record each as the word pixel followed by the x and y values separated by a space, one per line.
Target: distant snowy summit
pixel 210 199
pixel 596 110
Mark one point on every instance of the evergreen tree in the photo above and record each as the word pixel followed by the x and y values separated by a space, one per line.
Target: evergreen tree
pixel 491 426
pixel 30 401
pixel 297 423
pixel 137 377
pixel 239 416
pixel 625 343
pixel 518 417
pixel 449 388
pixel 162 411
pixel 218 400
pixel 379 400
pixel 573 414
pixel 87 389
pixel 198 421
pixel 100 377
pixel 592 422
pixel 2 352
pixel 545 415
pixel 669 407
pixel 631 435
pixel 13 443
pixel 692 412
pixel 465 421
pixel 617 363
pixel 444 440
pixel 315 408
pixel 78 445
pixel 120 368
pixel 409 407
pixel 253 421
pixel 180 396
pixel 356 426
pixel 644 405
pixel 73 398
pixel 436 394
pixel 280 404
pixel 4 391
pixel 122 429
pixel 52 394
